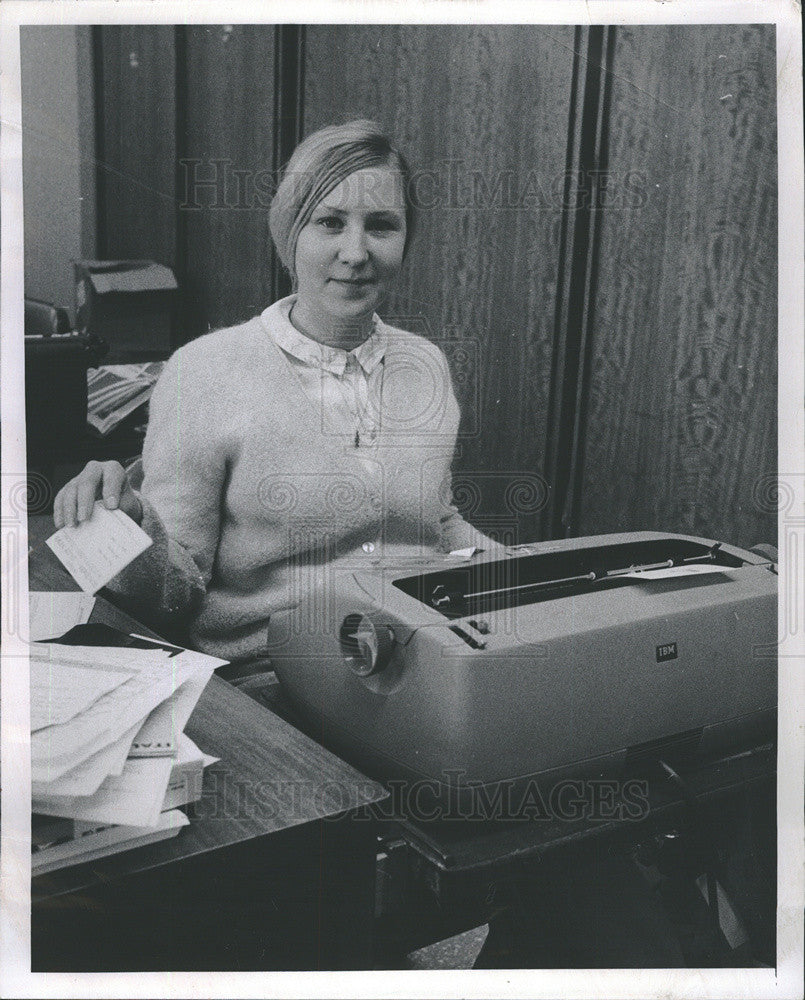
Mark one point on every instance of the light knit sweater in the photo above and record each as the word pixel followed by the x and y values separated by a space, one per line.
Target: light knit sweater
pixel 246 494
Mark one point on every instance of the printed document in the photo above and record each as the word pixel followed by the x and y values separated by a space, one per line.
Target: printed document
pixel 61 690
pixel 57 749
pixel 98 549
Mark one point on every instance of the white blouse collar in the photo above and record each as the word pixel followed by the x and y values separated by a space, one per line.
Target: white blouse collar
pixel 369 354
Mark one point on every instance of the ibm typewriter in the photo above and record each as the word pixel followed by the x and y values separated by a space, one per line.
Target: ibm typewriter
pixel 572 658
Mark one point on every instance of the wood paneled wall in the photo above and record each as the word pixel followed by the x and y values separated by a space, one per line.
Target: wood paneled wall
pixel 227 136
pixel 58 157
pixel 613 353
pixel 186 128
pixel 482 114
pixel 680 424
pixel 135 87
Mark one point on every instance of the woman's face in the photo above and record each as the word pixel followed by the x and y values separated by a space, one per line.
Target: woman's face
pixel 351 250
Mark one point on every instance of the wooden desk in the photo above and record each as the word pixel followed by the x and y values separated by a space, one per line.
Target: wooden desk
pixel 460 872
pixel 436 878
pixel 276 870
pixel 439 878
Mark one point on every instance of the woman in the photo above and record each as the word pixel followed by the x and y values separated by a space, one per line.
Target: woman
pixel 310 433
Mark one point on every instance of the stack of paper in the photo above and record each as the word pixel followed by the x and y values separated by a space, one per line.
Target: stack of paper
pixel 90 843
pixel 107 745
pixel 115 391
pixel 57 842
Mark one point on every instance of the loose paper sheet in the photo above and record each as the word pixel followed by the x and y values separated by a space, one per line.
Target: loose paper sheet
pixel 695 569
pixel 161 731
pixel 87 777
pixel 189 751
pixel 51 614
pixel 133 797
pixel 98 549
pixel 57 749
pixel 61 690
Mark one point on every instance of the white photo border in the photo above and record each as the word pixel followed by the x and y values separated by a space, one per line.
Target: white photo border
pixel 16 980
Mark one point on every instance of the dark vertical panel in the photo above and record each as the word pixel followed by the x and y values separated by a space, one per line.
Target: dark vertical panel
pixel 86 140
pixel 484 111
pixel 227 173
pixel 595 187
pixel 681 424
pixel 186 314
pixel 135 141
pixel 99 118
pixel 289 69
pixel 579 255
pixel 52 159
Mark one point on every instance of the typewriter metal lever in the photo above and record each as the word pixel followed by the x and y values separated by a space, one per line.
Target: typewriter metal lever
pixel 366 643
pixel 445 599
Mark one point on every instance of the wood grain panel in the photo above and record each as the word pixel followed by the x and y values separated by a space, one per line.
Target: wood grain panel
pixel 681 422
pixel 135 86
pixel 228 138
pixel 482 114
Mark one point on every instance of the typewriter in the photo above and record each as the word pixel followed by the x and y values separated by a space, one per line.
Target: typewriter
pixel 578 658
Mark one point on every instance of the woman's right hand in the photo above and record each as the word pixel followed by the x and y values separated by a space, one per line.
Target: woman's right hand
pixel 105 481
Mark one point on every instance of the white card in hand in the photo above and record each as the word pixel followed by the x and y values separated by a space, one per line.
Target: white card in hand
pixel 98 549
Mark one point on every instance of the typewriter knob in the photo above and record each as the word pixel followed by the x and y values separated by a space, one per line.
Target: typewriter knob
pixel 366 643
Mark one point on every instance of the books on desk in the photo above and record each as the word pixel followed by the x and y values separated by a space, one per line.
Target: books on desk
pixel 57 842
pixel 107 741
pixel 89 842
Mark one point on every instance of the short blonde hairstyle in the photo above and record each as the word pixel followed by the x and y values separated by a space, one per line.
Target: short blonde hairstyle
pixel 318 164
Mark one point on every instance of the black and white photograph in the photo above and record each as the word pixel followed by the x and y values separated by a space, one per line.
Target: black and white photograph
pixel 403 476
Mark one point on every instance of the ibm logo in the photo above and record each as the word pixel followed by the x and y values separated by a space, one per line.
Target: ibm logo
pixel 666 652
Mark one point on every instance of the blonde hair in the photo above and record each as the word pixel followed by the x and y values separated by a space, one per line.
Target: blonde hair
pixel 318 164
